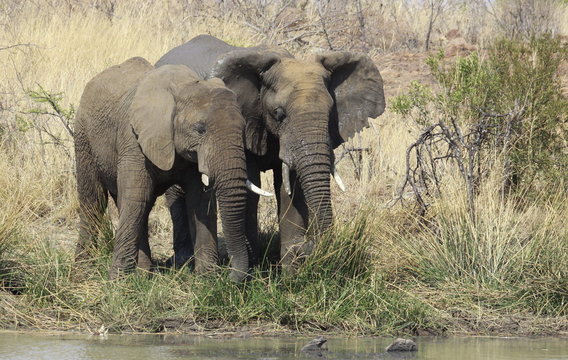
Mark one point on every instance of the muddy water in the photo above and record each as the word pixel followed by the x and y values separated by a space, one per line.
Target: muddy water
pixel 140 347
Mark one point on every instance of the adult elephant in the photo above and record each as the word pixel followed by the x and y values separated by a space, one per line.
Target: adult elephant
pixel 139 130
pixel 296 112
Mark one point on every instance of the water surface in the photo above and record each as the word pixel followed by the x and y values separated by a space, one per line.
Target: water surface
pixel 141 347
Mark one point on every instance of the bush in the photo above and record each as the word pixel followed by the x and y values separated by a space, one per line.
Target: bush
pixel 500 120
pixel 504 108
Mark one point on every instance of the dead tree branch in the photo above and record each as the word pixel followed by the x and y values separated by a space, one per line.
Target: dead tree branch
pixel 348 151
pixel 446 143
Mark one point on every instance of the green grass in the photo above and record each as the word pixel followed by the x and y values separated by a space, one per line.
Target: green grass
pixel 509 256
pixel 511 263
pixel 333 290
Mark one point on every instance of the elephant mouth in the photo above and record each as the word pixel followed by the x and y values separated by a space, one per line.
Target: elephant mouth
pixel 249 184
pixel 286 178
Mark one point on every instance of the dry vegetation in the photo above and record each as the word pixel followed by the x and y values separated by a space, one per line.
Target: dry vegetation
pixel 505 272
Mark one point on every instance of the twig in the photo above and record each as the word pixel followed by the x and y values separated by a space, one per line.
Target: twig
pixel 347 151
pixel 324 25
pixel 17 45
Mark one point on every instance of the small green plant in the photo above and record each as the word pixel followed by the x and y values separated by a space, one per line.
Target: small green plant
pixel 49 107
pixel 54 107
pixel 23 124
pixel 418 97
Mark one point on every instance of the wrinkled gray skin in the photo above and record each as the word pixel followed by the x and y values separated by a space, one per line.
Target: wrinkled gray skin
pixel 296 113
pixel 141 130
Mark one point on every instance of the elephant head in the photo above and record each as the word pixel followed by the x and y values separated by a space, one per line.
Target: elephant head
pixel 307 107
pixel 176 117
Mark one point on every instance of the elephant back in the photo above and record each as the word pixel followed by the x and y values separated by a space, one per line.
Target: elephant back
pixel 110 85
pixel 98 115
pixel 199 54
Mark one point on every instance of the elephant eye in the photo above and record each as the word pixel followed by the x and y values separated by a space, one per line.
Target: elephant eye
pixel 200 127
pixel 279 114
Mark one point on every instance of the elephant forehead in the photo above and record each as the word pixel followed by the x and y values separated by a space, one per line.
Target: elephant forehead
pixel 301 71
pixel 205 102
pixel 206 93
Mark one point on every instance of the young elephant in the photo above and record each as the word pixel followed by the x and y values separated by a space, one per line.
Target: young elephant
pixel 140 130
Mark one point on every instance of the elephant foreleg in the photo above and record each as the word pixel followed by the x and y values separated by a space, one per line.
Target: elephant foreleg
pixel 135 200
pixel 293 220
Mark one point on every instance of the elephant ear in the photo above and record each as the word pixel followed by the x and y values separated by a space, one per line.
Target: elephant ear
pixel 357 88
pixel 241 71
pixel 152 112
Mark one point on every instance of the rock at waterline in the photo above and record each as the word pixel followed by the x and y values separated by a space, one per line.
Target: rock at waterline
pixel 402 345
pixel 317 344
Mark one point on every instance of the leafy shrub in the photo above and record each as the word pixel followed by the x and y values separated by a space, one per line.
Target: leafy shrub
pixel 505 106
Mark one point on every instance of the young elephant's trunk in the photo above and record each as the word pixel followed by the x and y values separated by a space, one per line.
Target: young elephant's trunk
pixel 229 172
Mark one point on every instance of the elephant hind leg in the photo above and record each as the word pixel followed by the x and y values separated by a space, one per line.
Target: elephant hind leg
pixel 93 199
pixel 183 234
pixel 251 224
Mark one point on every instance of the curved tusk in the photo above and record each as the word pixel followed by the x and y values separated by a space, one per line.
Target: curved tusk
pixel 286 178
pixel 205 179
pixel 338 180
pixel 255 189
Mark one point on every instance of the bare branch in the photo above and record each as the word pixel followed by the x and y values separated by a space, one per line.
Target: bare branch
pixel 347 151
pixel 17 45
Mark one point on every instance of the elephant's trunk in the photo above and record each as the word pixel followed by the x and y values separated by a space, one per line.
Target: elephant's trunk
pixel 314 177
pixel 313 168
pixel 230 188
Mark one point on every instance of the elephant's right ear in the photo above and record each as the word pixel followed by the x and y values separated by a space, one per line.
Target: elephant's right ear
pixel 241 71
pixel 152 111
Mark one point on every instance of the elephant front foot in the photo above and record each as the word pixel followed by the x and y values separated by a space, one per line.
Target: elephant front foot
pixel 179 260
pixel 206 260
pixel 121 266
pixel 294 254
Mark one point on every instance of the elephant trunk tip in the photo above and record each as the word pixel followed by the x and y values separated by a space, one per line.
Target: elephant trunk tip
pixel 239 276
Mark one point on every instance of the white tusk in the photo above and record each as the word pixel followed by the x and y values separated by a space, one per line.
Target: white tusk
pixel 255 189
pixel 338 180
pixel 205 179
pixel 286 178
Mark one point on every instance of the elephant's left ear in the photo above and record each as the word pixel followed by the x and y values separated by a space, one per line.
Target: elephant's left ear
pixel 357 88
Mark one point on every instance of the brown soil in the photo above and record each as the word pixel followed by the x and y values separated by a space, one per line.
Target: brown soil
pixel 399 69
